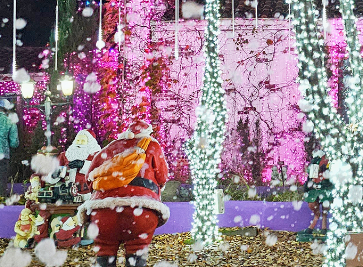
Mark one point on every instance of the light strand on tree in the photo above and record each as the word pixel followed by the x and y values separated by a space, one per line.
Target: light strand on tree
pixel 205 146
pixel 347 210
pixel 355 82
pixel 341 145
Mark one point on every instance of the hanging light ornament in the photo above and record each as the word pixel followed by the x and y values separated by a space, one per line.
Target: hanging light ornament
pixel 325 2
pixel 176 29
pixel 255 4
pixel 289 19
pixel 56 36
pixel 233 18
pixel 100 43
pixel 119 35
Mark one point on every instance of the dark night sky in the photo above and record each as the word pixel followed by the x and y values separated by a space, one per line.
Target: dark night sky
pixel 40 17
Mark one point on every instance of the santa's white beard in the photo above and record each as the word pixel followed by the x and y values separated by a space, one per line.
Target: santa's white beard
pixel 80 152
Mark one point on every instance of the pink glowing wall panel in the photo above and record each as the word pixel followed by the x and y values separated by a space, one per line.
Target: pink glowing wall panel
pixel 259 69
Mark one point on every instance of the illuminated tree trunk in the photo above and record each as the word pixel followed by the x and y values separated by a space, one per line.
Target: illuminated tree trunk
pixel 342 145
pixel 205 146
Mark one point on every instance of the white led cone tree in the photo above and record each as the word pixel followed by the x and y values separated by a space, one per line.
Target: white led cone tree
pixel 205 146
pixel 343 144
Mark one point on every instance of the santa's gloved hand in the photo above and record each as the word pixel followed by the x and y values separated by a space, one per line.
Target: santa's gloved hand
pixel 76 164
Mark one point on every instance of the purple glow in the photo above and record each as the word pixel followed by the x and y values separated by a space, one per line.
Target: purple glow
pixel 259 80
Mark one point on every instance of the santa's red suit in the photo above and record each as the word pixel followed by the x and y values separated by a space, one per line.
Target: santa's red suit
pixel 43 227
pixel 86 154
pixel 80 179
pixel 129 214
pixel 65 236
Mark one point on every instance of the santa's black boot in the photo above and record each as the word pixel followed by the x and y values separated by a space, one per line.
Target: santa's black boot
pixel 132 260
pixel 106 261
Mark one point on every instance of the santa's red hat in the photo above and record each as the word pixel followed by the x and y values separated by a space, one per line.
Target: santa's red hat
pixel 92 145
pixel 64 219
pixel 89 133
pixel 137 129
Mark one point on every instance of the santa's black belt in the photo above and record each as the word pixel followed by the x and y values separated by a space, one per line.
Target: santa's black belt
pixel 139 181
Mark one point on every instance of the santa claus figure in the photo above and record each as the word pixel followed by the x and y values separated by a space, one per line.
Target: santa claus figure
pixel 127 176
pixel 77 158
pixel 31 195
pixel 66 236
pixel 42 224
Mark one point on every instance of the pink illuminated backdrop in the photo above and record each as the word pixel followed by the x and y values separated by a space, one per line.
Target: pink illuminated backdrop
pixel 259 68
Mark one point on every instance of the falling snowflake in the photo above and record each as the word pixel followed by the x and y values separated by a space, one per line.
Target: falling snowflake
pixel 13 117
pixel 192 10
pixel 340 172
pixel 307 126
pixel 271 240
pixel 21 76
pixel 20 24
pixel 318 248
pixel 92 231
pixel 138 211
pixel 237 219
pixel 192 258
pixel 47 253
pixel 255 219
pixel 15 257
pixel 44 165
pixel 198 246
pixel 143 236
pixel 351 251
pixel 252 192
pixel 12 199
pixel 297 204
pixel 87 12
pixel 165 264
pixel 355 193
pixel 224 246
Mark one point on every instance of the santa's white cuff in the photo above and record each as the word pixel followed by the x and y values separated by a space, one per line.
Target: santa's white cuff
pixel 86 165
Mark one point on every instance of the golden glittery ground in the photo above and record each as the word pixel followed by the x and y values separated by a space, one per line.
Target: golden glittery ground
pixel 232 251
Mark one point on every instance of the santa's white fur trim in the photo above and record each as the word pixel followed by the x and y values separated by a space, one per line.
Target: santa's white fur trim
pixel 318 153
pixel 128 134
pixel 112 202
pixel 145 132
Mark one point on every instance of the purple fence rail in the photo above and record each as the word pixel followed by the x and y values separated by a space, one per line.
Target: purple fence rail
pixel 273 215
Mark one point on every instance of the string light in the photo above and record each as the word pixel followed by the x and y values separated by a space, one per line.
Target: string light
pixel 347 213
pixel 205 146
pixel 337 140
